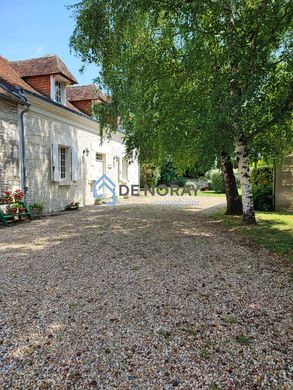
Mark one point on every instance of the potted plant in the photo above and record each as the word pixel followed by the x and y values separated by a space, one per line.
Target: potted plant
pixel 6 197
pixel 12 208
pixel 36 210
pixel 98 201
pixel 21 209
pixel 18 195
pixel 72 206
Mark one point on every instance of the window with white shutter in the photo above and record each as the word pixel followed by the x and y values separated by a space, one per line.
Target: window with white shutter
pixel 64 164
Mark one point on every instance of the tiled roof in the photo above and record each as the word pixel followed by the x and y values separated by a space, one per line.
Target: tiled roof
pixel 12 92
pixel 42 66
pixel 13 77
pixel 85 92
pixel 10 76
pixel 71 106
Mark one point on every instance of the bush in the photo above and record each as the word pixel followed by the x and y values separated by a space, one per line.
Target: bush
pixel 262 176
pixel 262 188
pixel 263 197
pixel 168 173
pixel 181 181
pixel 217 181
pixel 150 175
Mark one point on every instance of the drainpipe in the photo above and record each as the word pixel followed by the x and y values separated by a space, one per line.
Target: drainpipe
pixel 22 143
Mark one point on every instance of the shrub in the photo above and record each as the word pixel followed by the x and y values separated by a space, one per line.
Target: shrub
pixel 217 181
pixel 150 175
pixel 39 206
pixel 263 197
pixel 181 181
pixel 262 188
pixel 262 176
pixel 168 173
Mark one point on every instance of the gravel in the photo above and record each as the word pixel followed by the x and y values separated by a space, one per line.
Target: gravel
pixel 142 296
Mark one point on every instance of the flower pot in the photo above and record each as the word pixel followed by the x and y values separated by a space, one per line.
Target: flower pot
pixel 73 207
pixel 12 211
pixel 36 212
pixel 21 209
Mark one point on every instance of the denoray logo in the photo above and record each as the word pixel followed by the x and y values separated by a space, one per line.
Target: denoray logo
pixel 102 184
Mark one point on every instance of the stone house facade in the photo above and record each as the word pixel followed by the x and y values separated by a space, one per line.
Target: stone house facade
pixel 62 153
pixel 283 185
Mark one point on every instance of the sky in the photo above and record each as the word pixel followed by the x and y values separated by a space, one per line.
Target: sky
pixel 35 28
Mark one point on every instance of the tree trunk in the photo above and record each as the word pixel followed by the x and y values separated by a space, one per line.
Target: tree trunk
pixel 247 198
pixel 234 206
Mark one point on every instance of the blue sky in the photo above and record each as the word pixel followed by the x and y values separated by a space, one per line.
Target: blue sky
pixel 34 28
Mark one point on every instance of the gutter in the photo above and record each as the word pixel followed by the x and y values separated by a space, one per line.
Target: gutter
pixel 22 144
pixel 16 93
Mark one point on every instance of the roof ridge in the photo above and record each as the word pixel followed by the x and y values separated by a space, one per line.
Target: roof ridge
pixel 86 85
pixel 36 58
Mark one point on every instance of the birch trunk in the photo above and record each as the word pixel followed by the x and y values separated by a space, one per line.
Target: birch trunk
pixel 234 206
pixel 247 198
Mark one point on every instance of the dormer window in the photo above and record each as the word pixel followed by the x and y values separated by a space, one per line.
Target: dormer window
pixel 58 91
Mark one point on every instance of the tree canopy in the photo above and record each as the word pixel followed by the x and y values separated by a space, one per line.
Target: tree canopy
pixel 189 78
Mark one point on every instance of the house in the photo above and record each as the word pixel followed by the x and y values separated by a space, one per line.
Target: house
pixel 283 185
pixel 50 143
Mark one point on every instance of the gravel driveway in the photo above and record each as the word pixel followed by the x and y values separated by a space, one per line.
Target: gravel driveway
pixel 142 296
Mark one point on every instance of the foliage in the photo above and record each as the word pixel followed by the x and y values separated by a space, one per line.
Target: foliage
pixel 262 188
pixel 98 201
pixel 190 78
pixel 274 231
pixel 263 197
pixel 149 175
pixel 14 206
pixel 262 176
pixel 168 174
pixel 181 181
pixel 37 205
pixel 171 175
pixel 215 178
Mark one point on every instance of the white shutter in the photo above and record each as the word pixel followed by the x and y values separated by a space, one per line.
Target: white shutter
pixel 54 162
pixel 74 164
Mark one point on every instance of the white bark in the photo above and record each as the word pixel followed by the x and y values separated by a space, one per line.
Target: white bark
pixel 247 198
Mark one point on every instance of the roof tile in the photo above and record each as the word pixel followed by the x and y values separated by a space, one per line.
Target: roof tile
pixel 42 66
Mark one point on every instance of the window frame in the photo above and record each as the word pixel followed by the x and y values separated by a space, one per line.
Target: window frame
pixel 58 92
pixel 64 164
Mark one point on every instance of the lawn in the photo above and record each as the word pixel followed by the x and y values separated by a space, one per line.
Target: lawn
pixel 210 193
pixel 199 193
pixel 274 230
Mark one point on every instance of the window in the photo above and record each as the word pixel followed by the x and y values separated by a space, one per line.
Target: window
pixel 124 168
pixel 62 163
pixel 99 157
pixel 58 91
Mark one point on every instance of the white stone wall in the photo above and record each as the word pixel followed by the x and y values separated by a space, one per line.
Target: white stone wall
pixel 46 124
pixel 9 146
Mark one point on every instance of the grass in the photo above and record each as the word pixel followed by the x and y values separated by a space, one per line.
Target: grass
pixel 243 340
pixel 210 193
pixel 199 193
pixel 274 230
